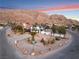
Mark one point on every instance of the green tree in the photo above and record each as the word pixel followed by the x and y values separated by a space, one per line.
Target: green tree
pixel 62 30
pixel 17 28
pixel 76 27
pixel 54 29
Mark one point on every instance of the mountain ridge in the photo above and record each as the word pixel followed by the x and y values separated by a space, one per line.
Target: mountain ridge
pixel 31 17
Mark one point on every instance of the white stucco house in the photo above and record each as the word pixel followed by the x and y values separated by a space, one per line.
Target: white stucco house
pixel 42 30
pixel 36 29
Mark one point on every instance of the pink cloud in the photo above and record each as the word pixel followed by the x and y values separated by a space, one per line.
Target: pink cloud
pixel 60 8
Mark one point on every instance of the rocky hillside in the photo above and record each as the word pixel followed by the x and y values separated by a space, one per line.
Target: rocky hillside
pixel 31 17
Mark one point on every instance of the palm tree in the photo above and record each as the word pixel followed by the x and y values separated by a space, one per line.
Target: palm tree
pixel 33 34
pixel 33 40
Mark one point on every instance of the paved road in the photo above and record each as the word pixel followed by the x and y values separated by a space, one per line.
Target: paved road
pixel 6 51
pixel 70 52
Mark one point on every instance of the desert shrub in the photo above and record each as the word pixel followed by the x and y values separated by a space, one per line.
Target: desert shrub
pixel 44 42
pixel 51 41
pixel 57 38
pixel 29 40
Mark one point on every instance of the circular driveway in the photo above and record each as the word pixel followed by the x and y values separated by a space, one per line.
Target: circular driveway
pixel 70 52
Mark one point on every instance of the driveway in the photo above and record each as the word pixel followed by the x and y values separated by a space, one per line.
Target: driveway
pixel 70 52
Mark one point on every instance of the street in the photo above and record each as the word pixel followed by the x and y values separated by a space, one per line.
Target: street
pixel 6 51
pixel 70 52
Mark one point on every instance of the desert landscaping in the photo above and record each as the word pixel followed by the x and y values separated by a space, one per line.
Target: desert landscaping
pixel 38 33
pixel 37 42
pixel 39 29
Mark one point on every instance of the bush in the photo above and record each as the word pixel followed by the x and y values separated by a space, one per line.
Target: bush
pixel 57 38
pixel 29 41
pixel 50 41
pixel 44 42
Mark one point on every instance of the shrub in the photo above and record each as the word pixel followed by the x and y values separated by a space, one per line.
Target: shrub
pixel 29 41
pixel 57 38
pixel 51 41
pixel 44 42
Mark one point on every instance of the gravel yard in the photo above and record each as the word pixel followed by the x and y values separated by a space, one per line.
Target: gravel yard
pixel 21 44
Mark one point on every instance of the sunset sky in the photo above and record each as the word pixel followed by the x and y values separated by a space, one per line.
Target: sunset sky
pixel 69 8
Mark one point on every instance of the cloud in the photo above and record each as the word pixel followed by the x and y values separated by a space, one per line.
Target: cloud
pixel 60 8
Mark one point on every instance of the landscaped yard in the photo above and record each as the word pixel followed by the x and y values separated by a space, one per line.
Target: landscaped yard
pixel 36 42
pixel 42 45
